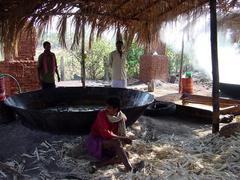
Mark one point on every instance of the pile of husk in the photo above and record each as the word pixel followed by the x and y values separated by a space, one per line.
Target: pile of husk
pixel 196 154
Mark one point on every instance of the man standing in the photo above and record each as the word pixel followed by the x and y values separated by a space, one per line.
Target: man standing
pixel 117 61
pixel 47 67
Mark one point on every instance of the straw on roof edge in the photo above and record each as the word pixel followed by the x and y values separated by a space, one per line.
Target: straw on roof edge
pixel 137 18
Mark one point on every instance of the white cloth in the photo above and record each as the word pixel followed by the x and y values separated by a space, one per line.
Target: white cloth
pixel 120 118
pixel 119 83
pixel 118 65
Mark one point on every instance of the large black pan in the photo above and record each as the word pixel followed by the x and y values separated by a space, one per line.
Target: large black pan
pixel 61 110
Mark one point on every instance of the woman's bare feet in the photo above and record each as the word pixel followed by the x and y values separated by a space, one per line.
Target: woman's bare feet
pixel 138 166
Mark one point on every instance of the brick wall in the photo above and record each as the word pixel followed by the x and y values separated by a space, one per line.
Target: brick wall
pixel 159 48
pixel 153 67
pixel 26 47
pixel 22 67
pixel 24 71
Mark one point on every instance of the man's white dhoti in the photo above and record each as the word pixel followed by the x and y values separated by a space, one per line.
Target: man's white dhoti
pixel 119 83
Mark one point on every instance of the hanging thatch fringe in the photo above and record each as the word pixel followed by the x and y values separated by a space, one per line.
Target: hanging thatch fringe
pixel 137 18
pixel 62 26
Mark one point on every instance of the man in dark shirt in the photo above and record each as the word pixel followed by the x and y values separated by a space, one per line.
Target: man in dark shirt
pixel 47 67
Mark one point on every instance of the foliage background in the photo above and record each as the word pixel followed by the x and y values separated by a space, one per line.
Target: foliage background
pixel 99 54
pixel 174 60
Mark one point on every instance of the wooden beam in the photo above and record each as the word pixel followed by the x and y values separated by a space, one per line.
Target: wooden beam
pixel 179 8
pixel 85 13
pixel 100 1
pixel 215 72
pixel 119 6
pixel 144 9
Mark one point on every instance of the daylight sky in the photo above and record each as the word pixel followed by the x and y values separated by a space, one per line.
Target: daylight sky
pixel 197 46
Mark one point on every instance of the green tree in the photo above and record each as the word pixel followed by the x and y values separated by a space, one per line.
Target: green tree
pixel 95 59
pixel 71 63
pixel 174 60
pixel 133 56
pixel 94 62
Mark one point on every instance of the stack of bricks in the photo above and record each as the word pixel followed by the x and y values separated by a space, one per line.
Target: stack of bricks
pixel 153 67
pixel 22 67
pixel 26 47
pixel 24 71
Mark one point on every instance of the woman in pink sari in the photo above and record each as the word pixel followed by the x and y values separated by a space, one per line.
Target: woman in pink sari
pixel 108 136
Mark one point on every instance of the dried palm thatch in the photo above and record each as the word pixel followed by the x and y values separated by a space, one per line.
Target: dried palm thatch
pixel 140 19
pixel 229 19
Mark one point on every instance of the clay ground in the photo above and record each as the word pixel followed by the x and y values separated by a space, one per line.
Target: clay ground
pixel 41 155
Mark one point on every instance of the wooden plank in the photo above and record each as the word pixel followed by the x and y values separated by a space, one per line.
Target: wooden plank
pixel 196 114
pixel 231 110
pixel 198 99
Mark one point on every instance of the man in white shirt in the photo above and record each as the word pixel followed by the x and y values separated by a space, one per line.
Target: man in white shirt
pixel 117 61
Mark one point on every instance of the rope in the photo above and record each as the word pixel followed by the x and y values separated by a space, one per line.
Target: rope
pixel 8 75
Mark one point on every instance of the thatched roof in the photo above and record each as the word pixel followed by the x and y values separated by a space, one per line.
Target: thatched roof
pixel 231 20
pixel 137 18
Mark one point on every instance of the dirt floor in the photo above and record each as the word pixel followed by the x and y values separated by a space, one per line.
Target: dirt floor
pixel 161 88
pixel 172 148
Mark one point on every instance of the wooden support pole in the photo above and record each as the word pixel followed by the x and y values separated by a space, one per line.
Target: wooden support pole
pixel 62 69
pixel 181 66
pixel 215 72
pixel 83 73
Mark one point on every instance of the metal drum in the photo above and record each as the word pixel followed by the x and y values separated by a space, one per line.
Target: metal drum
pixel 187 85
